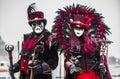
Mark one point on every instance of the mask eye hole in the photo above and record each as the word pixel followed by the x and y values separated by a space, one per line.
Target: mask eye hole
pixel 34 24
pixel 39 23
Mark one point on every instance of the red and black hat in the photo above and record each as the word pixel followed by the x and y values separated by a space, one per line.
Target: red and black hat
pixel 34 15
pixel 82 21
pixel 81 15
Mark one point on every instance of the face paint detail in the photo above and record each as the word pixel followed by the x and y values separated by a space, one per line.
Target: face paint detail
pixel 78 31
pixel 38 27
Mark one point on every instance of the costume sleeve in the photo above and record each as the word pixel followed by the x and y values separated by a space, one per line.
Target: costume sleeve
pixel 53 56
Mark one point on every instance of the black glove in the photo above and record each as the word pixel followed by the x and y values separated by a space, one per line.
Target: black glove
pixel 73 68
pixel 15 68
pixel 102 67
pixel 11 69
pixel 38 67
pixel 35 66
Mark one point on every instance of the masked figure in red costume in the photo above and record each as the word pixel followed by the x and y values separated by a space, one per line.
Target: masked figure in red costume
pixel 76 27
pixel 39 46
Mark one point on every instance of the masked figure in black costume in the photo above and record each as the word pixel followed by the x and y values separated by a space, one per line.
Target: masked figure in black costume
pixel 40 46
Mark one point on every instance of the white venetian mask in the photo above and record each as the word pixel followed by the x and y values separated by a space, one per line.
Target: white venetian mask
pixel 78 30
pixel 38 27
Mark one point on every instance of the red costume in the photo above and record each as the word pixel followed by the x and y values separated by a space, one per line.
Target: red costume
pixel 76 27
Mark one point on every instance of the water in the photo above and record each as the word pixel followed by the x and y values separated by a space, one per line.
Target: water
pixel 6 75
pixel 115 72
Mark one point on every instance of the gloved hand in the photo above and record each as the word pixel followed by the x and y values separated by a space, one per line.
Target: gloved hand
pixel 38 67
pixel 102 67
pixel 35 66
pixel 11 69
pixel 73 68
pixel 15 68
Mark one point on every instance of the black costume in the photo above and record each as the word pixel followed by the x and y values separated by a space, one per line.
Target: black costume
pixel 39 53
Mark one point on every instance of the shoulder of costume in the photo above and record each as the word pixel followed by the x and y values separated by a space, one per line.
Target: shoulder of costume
pixel 25 36
pixel 46 32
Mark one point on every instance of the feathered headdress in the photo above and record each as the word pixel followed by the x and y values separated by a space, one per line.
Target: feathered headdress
pixel 94 23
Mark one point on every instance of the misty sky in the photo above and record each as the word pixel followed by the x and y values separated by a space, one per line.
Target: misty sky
pixel 13 18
